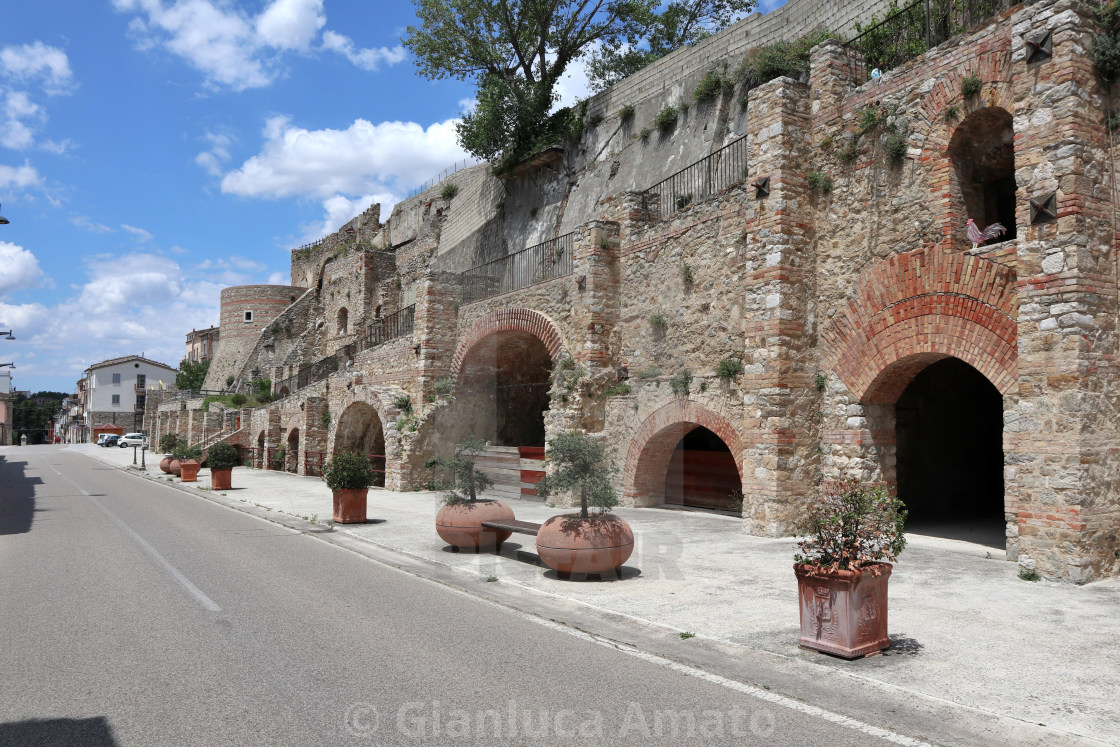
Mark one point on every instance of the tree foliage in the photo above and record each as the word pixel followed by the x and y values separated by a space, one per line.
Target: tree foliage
pixel 515 51
pixel 191 374
pixel 680 24
pixel 31 416
pixel 467 481
pixel 852 526
pixel 582 465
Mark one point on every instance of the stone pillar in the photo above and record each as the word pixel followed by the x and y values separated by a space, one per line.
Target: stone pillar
pixel 273 436
pixel 435 328
pixel 313 433
pixel 781 403
pixel 595 307
pixel 1060 433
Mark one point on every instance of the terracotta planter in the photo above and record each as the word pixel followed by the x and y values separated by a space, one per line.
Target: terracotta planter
pixel 221 479
pixel 188 470
pixel 460 525
pixel 844 613
pixel 350 506
pixel 165 464
pixel 175 467
pixel 570 544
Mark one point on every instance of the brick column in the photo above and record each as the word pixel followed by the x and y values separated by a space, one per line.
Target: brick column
pixel 435 327
pixel 273 435
pixel 780 402
pixel 1060 437
pixel 313 434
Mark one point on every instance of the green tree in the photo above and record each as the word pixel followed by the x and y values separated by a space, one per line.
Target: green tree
pixel 191 374
pixel 467 480
pixel 583 465
pixel 681 23
pixel 32 415
pixel 515 51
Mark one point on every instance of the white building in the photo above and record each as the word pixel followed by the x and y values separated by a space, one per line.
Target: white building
pixel 115 392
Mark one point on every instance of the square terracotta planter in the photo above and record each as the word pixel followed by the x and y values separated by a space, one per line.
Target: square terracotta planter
pixel 844 613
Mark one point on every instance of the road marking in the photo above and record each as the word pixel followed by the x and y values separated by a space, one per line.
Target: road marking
pixel 171 570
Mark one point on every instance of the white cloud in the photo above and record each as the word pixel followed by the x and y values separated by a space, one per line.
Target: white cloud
pixel 573 84
pixel 18 268
pixel 291 24
pixel 140 234
pixel 362 159
pixel 15 133
pixel 19 177
pixel 37 61
pixel 215 158
pixel 82 221
pixel 234 49
pixel 339 209
pixel 366 59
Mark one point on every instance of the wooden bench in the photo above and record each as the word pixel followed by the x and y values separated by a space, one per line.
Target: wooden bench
pixel 515 526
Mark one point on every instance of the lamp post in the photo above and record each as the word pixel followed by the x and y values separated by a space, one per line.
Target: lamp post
pixel 4 221
pixel 9 334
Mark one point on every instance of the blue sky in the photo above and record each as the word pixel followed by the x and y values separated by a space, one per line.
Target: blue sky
pixel 153 152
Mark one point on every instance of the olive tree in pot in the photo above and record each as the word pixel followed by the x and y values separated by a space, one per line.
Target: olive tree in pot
pixel 460 517
pixel 849 535
pixel 591 541
pixel 221 458
pixel 185 462
pixel 349 474
pixel 167 445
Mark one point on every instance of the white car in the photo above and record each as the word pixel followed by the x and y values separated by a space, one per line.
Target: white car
pixel 133 439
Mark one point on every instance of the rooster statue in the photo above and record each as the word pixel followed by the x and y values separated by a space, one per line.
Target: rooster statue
pixel 977 237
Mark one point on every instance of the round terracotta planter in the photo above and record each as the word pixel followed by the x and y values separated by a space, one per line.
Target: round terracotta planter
pixel 221 479
pixel 188 470
pixel 165 464
pixel 570 544
pixel 460 525
pixel 175 467
pixel 350 506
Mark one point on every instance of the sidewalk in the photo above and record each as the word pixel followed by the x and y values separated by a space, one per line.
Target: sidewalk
pixel 964 627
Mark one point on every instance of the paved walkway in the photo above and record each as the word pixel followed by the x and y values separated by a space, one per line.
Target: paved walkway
pixel 964 627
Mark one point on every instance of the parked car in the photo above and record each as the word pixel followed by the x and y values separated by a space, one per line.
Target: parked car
pixel 101 438
pixel 132 439
pixel 111 439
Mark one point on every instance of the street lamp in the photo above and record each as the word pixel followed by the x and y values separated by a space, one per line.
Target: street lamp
pixel 3 221
pixel 5 365
pixel 9 334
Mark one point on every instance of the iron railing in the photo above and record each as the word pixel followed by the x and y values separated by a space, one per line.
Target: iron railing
pixel 545 261
pixel 720 170
pixel 313 463
pixel 457 166
pixel 911 31
pixel 398 324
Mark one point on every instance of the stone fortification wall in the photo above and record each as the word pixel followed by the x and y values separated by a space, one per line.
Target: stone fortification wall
pixel 239 337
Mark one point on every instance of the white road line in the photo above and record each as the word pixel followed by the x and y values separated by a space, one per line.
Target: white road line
pixel 171 570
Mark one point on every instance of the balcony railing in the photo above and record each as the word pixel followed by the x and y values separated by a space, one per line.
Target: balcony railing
pixel 396 325
pixel 720 170
pixel 545 261
pixel 912 30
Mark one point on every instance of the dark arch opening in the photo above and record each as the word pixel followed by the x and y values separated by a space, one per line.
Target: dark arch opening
pixel 949 425
pixel 359 430
pixel 506 378
pixel 702 474
pixel 983 154
pixel 291 453
pixel 260 460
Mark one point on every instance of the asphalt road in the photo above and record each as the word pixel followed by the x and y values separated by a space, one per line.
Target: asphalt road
pixel 135 614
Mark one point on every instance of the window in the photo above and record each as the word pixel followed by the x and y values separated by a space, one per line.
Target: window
pixel 117 399
pixel 141 381
pixel 140 401
pixel 116 378
pixel 343 320
pixel 248 316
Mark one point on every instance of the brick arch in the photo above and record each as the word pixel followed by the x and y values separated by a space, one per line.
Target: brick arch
pixel 508 320
pixel 652 445
pixel 915 308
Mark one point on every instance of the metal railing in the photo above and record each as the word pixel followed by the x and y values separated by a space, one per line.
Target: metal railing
pixel 310 245
pixel 398 324
pixel 911 31
pixel 545 261
pixel 457 166
pixel 720 170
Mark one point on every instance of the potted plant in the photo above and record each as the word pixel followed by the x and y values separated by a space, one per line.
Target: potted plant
pixel 187 458
pixel 167 444
pixel 587 542
pixel 349 474
pixel 842 569
pixel 460 517
pixel 221 459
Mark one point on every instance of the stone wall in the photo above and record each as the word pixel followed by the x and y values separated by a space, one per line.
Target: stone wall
pixel 239 337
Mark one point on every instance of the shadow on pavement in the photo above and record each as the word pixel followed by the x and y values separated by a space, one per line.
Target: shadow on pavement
pixel 90 732
pixel 17 500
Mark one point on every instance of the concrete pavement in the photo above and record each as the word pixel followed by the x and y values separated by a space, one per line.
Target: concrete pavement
pixel 969 636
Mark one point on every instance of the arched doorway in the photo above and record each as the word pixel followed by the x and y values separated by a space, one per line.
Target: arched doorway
pixel 982 151
pixel 949 432
pixel 505 380
pixel 702 474
pixel 359 430
pixel 261 458
pixel 291 452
